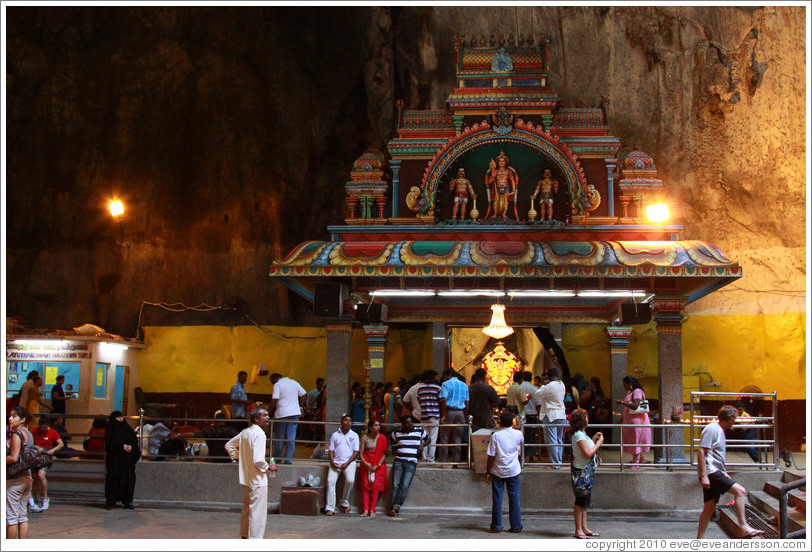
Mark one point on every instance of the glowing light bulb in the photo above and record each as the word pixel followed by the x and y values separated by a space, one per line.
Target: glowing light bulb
pixel 116 208
pixel 657 213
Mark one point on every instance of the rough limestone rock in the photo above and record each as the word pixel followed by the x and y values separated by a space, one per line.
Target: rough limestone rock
pixel 229 132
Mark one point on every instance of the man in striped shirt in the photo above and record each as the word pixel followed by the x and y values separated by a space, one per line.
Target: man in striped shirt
pixel 407 444
pixel 454 402
pixel 428 395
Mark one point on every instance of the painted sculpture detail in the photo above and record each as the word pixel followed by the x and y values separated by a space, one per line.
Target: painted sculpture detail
pixel 501 183
pixel 500 366
pixel 461 188
pixel 547 187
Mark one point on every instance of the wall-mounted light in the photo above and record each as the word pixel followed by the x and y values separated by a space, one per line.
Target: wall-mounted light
pixel 403 293
pixel 113 347
pixel 611 293
pixel 471 293
pixel 541 293
pixel 116 208
pixel 657 213
pixel 38 342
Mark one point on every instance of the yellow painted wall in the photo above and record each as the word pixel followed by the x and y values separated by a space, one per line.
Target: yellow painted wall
pixel 766 350
pixel 206 359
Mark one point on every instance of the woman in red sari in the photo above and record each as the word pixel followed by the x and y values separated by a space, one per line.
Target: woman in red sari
pixel 372 478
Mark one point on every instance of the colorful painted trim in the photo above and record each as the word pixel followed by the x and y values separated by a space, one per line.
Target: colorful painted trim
pixel 474 259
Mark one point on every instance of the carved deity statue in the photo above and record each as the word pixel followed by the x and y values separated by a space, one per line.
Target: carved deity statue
pixel 501 183
pixel 547 187
pixel 461 188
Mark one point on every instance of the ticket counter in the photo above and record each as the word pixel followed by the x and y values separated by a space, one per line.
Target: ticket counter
pixel 100 374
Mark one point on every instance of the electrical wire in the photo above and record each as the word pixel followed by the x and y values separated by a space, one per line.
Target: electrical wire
pixel 203 307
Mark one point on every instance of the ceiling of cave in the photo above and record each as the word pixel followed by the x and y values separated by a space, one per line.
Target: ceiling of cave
pixel 229 134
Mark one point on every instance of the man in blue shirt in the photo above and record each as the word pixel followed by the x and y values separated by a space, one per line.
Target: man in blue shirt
pixel 454 402
pixel 238 396
pixel 58 399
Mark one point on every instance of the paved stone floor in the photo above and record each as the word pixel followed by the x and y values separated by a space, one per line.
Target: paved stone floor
pixel 77 521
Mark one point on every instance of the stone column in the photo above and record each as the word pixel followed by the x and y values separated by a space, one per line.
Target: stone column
pixel 667 314
pixel 337 380
pixel 376 341
pixel 619 351
pixel 438 347
pixel 394 164
pixel 610 182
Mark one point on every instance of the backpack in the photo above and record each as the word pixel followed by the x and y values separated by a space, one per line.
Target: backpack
pixel 29 458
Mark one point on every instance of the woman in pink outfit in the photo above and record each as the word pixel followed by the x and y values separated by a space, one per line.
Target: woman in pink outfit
pixel 636 440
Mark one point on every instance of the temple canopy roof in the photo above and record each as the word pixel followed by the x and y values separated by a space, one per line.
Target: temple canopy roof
pixel 555 276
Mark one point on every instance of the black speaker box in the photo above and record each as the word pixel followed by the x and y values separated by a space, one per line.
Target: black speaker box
pixel 635 313
pixel 328 299
pixel 373 313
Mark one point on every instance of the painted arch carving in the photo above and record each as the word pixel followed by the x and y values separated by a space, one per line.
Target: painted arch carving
pixel 583 197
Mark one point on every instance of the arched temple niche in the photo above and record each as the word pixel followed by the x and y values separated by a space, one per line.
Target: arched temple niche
pixel 530 150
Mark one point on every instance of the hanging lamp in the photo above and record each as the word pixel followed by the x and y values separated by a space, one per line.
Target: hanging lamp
pixel 498 328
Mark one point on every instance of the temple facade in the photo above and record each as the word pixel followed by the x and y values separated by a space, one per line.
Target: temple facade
pixel 505 196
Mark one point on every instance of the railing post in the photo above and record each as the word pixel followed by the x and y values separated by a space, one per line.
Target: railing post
pixel 782 508
pixel 621 446
pixel 692 432
pixel 141 429
pixel 470 440
pixel 775 428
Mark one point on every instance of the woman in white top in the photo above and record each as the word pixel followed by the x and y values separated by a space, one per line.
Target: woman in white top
pixel 582 470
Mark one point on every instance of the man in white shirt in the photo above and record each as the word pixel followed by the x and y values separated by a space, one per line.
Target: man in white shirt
pixel 287 401
pixel 504 470
pixel 249 449
pixel 343 450
pixel 530 416
pixel 710 463
pixel 550 403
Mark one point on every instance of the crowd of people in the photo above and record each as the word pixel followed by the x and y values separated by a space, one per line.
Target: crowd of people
pixel 407 420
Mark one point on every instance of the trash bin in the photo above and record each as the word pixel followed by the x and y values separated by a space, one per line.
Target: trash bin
pixel 480 439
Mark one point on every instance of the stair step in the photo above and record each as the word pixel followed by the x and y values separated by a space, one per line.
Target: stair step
pixel 796 498
pixel 768 506
pixel 730 524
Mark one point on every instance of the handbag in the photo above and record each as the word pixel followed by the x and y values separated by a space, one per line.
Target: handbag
pixel 642 408
pixel 43 460
pixel 29 456
pixel 582 478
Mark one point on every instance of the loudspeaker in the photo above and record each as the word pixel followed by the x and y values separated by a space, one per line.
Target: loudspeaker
pixel 328 299
pixel 635 313
pixel 373 313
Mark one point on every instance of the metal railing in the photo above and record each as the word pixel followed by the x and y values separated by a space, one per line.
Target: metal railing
pixel 670 449
pixel 782 511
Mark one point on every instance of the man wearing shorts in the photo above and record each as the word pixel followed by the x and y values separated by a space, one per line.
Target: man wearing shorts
pixel 713 475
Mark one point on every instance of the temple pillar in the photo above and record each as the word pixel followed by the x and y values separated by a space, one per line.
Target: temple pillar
pixel 376 342
pixel 457 122
pixel 619 351
pixel 394 164
pixel 439 353
pixel 547 120
pixel 667 313
pixel 610 182
pixel 337 379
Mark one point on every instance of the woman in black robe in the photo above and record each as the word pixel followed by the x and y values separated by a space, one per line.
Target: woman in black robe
pixel 122 452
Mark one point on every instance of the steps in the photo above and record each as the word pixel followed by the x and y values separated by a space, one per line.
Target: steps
pixel 763 510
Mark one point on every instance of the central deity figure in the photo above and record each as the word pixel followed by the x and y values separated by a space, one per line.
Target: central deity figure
pixel 501 183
